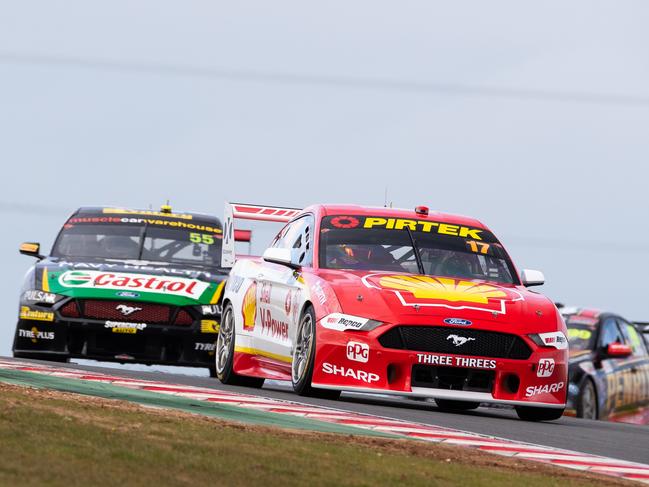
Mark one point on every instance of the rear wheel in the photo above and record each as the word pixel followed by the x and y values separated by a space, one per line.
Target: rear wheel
pixel 452 405
pixel 529 413
pixel 224 357
pixel 587 401
pixel 304 359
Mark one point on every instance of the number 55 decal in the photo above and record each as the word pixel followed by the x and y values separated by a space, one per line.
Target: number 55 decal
pixel 201 238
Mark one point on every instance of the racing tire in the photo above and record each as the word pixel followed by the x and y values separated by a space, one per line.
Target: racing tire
pixel 453 405
pixel 530 413
pixel 587 401
pixel 304 359
pixel 224 356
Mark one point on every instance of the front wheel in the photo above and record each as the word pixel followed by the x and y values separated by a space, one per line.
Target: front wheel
pixel 224 357
pixel 304 359
pixel 587 401
pixel 529 413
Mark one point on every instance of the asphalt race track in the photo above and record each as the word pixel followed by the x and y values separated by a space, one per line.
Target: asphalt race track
pixel 616 440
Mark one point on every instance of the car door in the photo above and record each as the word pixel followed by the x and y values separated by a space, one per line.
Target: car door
pixel 280 290
pixel 636 368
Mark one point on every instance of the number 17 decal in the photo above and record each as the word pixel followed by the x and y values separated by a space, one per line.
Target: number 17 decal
pixel 478 247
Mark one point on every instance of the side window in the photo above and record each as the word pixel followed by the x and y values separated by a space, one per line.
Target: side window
pixel 298 235
pixel 610 333
pixel 634 339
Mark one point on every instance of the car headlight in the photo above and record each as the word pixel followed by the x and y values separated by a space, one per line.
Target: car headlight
pixel 343 322
pixel 553 339
pixel 36 296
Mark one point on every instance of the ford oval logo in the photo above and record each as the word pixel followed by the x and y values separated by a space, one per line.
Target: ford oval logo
pixel 458 321
pixel 127 294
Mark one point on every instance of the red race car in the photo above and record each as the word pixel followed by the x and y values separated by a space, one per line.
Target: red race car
pixel 414 303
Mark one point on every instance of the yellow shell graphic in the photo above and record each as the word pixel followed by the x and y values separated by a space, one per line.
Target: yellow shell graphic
pixel 443 289
pixel 249 307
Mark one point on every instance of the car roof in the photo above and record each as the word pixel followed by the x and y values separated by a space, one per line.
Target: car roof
pixel 124 211
pixel 387 212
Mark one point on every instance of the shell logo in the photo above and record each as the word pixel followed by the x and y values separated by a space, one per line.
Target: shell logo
pixel 249 307
pixel 417 291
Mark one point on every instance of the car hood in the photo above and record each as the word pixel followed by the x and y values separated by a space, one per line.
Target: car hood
pixel 129 280
pixel 420 299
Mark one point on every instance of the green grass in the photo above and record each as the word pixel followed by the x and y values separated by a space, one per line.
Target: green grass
pixel 49 438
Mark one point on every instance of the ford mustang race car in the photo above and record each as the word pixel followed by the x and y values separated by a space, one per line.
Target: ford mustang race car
pixel 394 302
pixel 125 285
pixel 609 365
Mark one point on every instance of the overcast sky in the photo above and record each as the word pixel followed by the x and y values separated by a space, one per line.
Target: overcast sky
pixel 531 116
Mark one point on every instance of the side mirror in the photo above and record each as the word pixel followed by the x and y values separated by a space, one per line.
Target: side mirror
pixel 531 277
pixel 280 256
pixel 32 249
pixel 618 350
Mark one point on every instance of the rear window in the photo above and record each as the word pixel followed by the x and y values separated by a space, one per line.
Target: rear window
pixel 413 246
pixel 148 239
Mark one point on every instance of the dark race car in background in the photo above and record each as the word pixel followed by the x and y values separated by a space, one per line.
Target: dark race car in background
pixel 609 365
pixel 125 285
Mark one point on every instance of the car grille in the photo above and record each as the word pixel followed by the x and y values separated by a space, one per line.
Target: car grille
pixel 150 313
pixel 440 340
pixel 453 378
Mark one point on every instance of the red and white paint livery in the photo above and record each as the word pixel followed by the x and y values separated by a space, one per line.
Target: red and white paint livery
pixel 391 301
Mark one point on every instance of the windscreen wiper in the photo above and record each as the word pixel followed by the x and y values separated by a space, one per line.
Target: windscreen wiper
pixel 420 264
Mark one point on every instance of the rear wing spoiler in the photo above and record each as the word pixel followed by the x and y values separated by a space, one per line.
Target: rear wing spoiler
pixel 248 212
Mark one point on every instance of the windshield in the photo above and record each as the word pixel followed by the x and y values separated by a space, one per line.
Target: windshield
pixel 580 337
pixel 162 241
pixel 413 246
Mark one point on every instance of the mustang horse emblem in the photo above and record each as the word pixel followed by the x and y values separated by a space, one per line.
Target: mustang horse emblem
pixel 127 310
pixel 458 340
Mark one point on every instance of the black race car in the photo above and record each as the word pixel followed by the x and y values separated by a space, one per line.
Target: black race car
pixel 608 373
pixel 127 286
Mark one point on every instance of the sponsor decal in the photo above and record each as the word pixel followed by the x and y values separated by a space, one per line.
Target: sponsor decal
pixel 211 310
pixel 209 326
pixel 127 310
pixel 26 313
pixel 205 347
pixel 455 361
pixel 296 304
pixel 34 334
pixel 266 290
pixel 532 391
pixel 36 296
pixel 141 221
pixel 554 339
pixel 345 222
pixel 319 292
pixel 341 322
pixel 194 274
pixel 458 322
pixel 458 340
pixel 272 327
pixel 124 211
pixel 579 334
pixel 425 226
pixel 249 307
pixel 358 351
pixel 545 367
pixel 288 303
pixel 418 291
pixel 177 286
pixel 119 327
pixel 234 284
pixel 359 375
